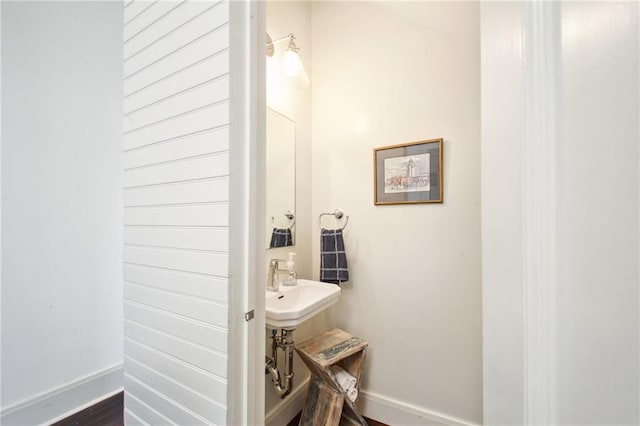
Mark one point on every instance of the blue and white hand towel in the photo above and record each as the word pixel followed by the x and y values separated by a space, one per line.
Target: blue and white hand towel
pixel 281 238
pixel 333 258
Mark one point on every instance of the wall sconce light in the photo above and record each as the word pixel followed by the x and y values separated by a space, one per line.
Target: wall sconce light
pixel 292 66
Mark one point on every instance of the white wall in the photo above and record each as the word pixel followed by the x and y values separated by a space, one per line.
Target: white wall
pixel 61 194
pixel 387 73
pixel 577 299
pixel 1 138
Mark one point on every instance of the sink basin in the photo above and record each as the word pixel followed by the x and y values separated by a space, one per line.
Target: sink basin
pixel 291 306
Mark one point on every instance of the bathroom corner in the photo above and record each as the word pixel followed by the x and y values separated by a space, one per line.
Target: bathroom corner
pixel 284 18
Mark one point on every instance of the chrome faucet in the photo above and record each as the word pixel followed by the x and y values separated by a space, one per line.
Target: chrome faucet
pixel 272 280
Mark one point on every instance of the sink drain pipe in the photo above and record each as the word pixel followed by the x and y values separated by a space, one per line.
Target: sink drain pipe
pixel 284 342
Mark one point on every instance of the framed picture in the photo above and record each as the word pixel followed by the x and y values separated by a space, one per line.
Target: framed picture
pixel 409 173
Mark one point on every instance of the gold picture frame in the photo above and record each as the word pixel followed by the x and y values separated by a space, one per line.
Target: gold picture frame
pixel 408 173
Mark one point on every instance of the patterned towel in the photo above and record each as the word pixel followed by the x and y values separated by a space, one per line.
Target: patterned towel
pixel 333 258
pixel 281 238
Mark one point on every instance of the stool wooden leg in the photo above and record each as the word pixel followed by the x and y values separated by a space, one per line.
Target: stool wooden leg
pixel 323 406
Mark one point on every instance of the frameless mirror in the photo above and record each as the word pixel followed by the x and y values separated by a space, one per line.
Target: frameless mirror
pixel 281 180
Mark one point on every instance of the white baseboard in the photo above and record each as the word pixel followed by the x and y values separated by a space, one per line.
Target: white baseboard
pixel 394 412
pixel 371 405
pixel 61 402
pixel 282 413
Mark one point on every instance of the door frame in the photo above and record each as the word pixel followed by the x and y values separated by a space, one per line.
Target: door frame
pixel 245 390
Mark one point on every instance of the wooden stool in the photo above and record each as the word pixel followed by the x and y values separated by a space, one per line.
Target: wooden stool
pixel 327 401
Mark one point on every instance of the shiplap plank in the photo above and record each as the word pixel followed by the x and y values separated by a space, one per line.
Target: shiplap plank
pixel 195 402
pixel 205 191
pixel 187 306
pixel 205 23
pixel 134 11
pixel 132 418
pixel 208 69
pixel 187 238
pixel 194 331
pixel 211 263
pixel 204 286
pixel 188 352
pixel 198 215
pixel 143 411
pixel 208 166
pixel 139 36
pixel 200 380
pixel 212 141
pixel 211 45
pixel 206 94
pixel 149 16
pixel 176 214
pixel 193 122
pixel 161 403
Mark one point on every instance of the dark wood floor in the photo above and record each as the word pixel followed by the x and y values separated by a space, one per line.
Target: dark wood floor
pixel 110 413
pixel 370 422
pixel 374 422
pixel 105 413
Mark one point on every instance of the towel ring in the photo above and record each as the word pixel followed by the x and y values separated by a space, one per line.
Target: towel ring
pixel 338 214
pixel 289 216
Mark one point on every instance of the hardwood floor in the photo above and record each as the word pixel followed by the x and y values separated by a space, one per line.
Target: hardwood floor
pixel 370 422
pixel 374 422
pixel 110 412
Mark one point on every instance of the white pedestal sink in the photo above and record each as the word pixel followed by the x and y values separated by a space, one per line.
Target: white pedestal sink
pixel 290 306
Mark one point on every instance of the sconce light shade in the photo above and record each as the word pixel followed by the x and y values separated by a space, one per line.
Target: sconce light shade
pixel 292 66
pixel 293 69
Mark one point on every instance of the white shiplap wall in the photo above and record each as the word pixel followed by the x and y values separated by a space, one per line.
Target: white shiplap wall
pixel 176 211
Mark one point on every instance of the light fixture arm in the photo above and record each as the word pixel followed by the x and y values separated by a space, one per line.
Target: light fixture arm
pixel 271 43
